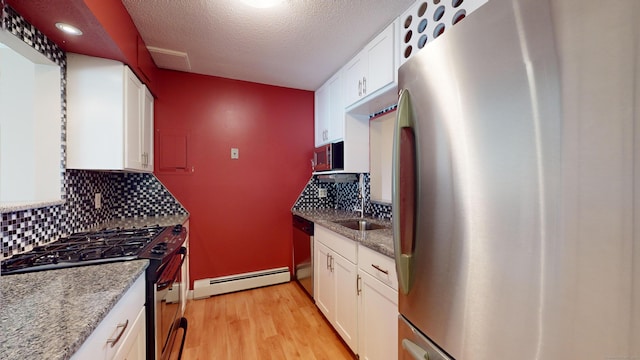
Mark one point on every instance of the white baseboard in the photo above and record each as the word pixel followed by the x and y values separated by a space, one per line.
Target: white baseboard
pixel 204 288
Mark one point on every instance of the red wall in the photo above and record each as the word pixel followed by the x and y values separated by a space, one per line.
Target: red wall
pixel 240 209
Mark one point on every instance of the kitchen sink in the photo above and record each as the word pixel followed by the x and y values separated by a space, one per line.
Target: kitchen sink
pixel 359 224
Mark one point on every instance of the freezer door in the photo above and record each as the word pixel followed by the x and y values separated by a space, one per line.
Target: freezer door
pixel 412 345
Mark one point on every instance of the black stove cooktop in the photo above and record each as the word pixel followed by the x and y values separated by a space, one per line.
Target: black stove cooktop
pixel 85 248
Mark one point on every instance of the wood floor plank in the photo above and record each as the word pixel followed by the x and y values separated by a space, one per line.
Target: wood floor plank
pixel 276 322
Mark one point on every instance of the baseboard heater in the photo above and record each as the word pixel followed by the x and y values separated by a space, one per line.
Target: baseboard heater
pixel 204 288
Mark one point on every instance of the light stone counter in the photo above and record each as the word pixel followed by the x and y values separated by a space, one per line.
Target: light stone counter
pixel 379 240
pixel 49 314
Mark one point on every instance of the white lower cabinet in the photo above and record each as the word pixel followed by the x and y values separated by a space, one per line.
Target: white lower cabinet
pixel 121 334
pixel 346 314
pixel 324 289
pixel 134 344
pixel 335 279
pixel 356 290
pixel 378 306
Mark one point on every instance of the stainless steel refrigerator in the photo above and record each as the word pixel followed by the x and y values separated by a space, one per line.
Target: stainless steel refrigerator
pixel 516 185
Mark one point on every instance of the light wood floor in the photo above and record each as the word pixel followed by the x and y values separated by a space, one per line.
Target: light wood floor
pixel 276 322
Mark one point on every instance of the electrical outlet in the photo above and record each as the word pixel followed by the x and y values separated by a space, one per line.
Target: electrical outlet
pixel 322 193
pixel 235 153
pixel 98 200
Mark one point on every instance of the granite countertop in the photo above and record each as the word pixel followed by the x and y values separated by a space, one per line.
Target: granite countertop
pixel 19 206
pixel 136 222
pixel 49 314
pixel 380 240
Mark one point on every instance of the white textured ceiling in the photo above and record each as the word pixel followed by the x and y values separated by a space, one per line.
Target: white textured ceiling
pixel 298 44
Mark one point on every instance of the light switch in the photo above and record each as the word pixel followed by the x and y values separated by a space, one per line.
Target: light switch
pixel 235 153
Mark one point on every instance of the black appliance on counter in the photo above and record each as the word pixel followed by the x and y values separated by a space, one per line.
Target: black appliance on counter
pixel 162 246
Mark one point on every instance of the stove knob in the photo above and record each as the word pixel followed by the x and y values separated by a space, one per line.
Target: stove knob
pixel 159 249
pixel 177 229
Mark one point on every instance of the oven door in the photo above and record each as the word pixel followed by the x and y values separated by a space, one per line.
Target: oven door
pixel 168 318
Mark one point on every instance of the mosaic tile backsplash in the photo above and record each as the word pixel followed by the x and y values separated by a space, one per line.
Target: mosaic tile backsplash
pixel 343 196
pixel 124 194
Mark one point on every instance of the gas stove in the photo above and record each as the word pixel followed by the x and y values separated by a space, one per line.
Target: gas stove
pixel 96 247
pixel 162 246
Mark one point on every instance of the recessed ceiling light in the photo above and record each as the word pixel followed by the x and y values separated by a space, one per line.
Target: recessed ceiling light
pixel 69 29
pixel 262 3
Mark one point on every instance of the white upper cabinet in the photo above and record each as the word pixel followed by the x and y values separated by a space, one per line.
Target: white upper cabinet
pixel 109 116
pixel 132 121
pixel 329 111
pixel 374 68
pixel 146 137
pixel 321 115
pixel 355 74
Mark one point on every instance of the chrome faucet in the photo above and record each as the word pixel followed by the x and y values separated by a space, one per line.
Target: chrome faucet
pixel 360 195
pixel 361 210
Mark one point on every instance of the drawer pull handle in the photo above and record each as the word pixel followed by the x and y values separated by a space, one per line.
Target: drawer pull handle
pixel 386 272
pixel 113 342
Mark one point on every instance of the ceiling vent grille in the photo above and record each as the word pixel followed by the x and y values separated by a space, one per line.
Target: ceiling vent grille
pixel 170 59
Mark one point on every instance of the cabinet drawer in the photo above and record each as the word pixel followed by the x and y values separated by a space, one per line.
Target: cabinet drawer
pixel 341 245
pixel 377 265
pixel 125 311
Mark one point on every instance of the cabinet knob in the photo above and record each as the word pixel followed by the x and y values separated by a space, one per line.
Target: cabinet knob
pixel 364 85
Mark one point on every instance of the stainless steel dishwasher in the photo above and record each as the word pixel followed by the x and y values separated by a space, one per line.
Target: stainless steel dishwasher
pixel 303 253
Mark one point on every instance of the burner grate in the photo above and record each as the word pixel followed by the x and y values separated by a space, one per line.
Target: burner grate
pixel 91 246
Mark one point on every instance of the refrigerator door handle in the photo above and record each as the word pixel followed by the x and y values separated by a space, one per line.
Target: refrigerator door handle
pixel 404 191
pixel 416 351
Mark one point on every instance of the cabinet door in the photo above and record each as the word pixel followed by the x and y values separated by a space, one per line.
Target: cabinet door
pixel 380 56
pixel 132 121
pixel 321 114
pixel 346 311
pixel 354 73
pixel 324 289
pixel 377 320
pixel 95 111
pixel 134 344
pixel 146 136
pixel 336 109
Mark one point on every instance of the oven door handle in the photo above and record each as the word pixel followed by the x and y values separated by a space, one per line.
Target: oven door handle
pixel 165 284
pixel 183 325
